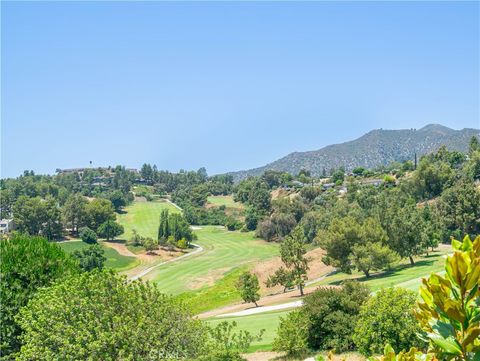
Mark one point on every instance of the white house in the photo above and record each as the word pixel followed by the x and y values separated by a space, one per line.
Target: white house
pixel 6 225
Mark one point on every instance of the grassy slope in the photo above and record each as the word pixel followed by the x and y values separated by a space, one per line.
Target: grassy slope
pixel 114 259
pixel 222 293
pixel 268 321
pixel 404 275
pixel 144 217
pixel 226 201
pixel 223 252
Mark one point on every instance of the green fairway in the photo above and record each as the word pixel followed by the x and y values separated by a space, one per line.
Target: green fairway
pixel 223 292
pixel 114 259
pixel 144 217
pixel 223 252
pixel 226 201
pixel 403 275
pixel 254 323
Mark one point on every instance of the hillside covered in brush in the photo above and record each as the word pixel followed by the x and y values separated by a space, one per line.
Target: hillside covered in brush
pixel 377 147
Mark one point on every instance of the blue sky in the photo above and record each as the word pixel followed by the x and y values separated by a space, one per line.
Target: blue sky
pixel 227 86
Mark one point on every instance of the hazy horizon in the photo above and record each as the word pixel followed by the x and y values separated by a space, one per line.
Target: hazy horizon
pixel 226 86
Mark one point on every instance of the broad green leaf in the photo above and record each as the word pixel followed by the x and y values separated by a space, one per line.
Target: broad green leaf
pixel 449 346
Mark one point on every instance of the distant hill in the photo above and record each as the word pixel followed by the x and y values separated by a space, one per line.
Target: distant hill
pixel 377 147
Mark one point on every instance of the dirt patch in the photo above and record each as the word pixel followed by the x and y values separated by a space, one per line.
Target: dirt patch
pixel 266 268
pixel 207 280
pixel 150 258
pixel 279 193
pixel 140 199
pixel 121 248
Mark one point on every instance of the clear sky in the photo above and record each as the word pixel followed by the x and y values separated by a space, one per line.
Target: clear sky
pixel 227 86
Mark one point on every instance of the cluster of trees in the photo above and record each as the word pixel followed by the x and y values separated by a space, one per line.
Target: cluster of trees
pixel 444 323
pixel 109 183
pixel 78 212
pixel 167 182
pixel 348 318
pixel 174 230
pixel 51 206
pixel 371 227
pixel 37 216
pixel 96 312
pixel 254 192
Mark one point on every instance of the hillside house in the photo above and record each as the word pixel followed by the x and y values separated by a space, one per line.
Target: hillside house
pixel 6 226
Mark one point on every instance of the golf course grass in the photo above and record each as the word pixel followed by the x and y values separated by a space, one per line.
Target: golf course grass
pixel 222 293
pixel 144 217
pixel 226 201
pixel 223 251
pixel 268 321
pixel 403 275
pixel 114 259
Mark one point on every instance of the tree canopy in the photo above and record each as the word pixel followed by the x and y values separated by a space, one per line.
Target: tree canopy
pixel 27 264
pixel 98 315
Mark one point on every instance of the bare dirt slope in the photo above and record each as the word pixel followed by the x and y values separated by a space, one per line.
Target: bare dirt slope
pixel 264 269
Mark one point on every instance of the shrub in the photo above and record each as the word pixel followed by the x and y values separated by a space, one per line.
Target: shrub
pixel 223 344
pixel 90 258
pixel 99 316
pixel 182 244
pixel 292 334
pixel 387 318
pixel 88 235
pixel 27 264
pixel 149 244
pixel 331 312
pixel 109 230
pixel 232 224
pixel 136 239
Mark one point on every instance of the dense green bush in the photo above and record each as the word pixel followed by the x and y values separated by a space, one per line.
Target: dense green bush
pixel 110 229
pixel 99 316
pixel 232 224
pixel 387 318
pixel 292 334
pixel 27 264
pixel 90 258
pixel 331 313
pixel 88 235
pixel 205 216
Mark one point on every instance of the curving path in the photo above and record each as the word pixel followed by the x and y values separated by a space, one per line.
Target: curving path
pixel 254 311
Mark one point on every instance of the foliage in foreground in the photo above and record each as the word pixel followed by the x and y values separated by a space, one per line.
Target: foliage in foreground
pixel 450 310
pixel 387 318
pixel 27 264
pixel 97 315
pixel 223 344
pixel 292 334
pixel 324 322
pixel 412 355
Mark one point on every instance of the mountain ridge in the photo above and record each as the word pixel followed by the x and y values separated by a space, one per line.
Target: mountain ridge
pixel 374 148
